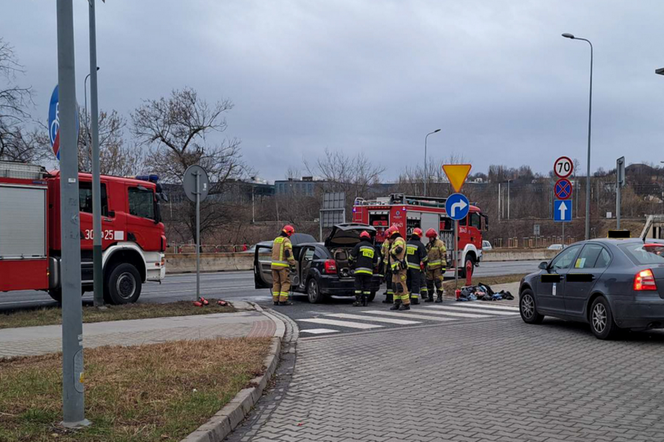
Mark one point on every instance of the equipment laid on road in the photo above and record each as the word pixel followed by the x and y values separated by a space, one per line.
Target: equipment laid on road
pixel 133 239
pixel 407 212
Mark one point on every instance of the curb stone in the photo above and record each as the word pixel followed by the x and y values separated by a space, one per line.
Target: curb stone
pixel 233 413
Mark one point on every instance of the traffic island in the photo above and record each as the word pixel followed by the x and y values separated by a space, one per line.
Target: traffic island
pixel 53 315
pixel 156 392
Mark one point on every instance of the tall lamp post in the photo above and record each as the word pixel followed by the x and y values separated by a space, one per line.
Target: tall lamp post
pixel 426 172
pixel 87 118
pixel 590 115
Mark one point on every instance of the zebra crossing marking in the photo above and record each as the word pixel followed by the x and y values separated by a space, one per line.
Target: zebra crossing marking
pixel 369 318
pixel 408 314
pixel 492 307
pixel 463 309
pixel 349 324
pixel 319 331
pixel 446 311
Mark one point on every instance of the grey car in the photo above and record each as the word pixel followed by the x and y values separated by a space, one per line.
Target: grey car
pixel 611 284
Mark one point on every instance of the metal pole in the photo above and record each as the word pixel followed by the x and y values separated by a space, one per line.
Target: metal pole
pixel 590 115
pixel 98 279
pixel 456 254
pixel 618 203
pixel 253 205
pixel 563 234
pixel 86 139
pixel 72 327
pixel 198 236
pixel 426 173
pixel 508 199
pixel 499 201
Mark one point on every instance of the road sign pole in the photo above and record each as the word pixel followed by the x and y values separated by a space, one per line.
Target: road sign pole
pixel 198 235
pixel 456 255
pixel 563 234
pixel 96 186
pixel 72 327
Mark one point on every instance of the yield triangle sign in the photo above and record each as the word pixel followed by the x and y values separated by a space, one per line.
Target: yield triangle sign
pixel 457 174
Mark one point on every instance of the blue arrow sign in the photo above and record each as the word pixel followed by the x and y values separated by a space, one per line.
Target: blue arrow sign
pixel 562 211
pixel 457 206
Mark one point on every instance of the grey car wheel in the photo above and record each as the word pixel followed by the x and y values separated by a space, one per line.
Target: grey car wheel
pixel 313 292
pixel 601 319
pixel 528 308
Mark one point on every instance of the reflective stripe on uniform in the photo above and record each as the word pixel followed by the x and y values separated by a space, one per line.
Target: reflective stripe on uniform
pixel 363 270
pixel 412 265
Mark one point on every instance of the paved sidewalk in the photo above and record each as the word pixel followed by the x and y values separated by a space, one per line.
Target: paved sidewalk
pixel 30 341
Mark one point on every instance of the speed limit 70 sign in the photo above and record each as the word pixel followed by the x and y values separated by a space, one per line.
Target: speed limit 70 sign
pixel 563 167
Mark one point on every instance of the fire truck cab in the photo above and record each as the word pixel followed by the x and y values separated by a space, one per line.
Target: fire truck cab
pixel 408 212
pixel 133 238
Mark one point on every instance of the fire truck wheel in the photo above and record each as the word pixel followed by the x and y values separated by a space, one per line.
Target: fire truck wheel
pixel 56 294
pixel 462 271
pixel 124 284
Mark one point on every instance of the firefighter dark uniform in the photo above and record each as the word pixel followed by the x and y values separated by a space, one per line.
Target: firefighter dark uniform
pixel 282 263
pixel 436 264
pixel 387 271
pixel 363 258
pixel 416 255
pixel 399 267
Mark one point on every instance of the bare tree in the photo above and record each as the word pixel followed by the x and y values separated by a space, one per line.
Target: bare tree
pixel 17 142
pixel 344 173
pixel 175 130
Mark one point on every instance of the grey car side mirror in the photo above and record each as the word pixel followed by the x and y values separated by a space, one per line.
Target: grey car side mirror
pixel 543 265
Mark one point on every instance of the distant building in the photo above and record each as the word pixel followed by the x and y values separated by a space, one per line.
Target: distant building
pixel 233 192
pixel 307 186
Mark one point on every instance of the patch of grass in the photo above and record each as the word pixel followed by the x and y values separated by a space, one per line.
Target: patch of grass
pixel 158 392
pixel 53 315
pixel 488 280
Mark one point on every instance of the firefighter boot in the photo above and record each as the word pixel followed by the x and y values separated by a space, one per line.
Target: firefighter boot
pixel 364 300
pixel 415 299
pixel 404 307
pixel 388 298
pixel 357 302
pixel 396 305
pixel 439 297
pixel 429 296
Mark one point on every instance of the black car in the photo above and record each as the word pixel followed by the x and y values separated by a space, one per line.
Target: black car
pixel 611 284
pixel 323 269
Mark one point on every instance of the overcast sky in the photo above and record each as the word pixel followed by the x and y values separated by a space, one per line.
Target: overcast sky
pixel 376 76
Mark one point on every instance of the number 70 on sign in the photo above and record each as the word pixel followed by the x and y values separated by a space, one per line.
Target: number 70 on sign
pixel 563 167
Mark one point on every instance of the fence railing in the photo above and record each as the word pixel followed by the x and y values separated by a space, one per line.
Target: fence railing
pixel 191 248
pixel 531 242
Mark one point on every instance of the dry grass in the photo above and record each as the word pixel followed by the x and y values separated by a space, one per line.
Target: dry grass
pixel 53 315
pixel 488 280
pixel 158 392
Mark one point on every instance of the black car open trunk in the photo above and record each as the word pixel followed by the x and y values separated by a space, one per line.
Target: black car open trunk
pixel 341 241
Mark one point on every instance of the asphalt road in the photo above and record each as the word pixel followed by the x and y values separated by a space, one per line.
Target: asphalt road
pixel 226 285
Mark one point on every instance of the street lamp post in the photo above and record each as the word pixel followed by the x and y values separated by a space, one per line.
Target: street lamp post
pixel 590 114
pixel 426 172
pixel 87 118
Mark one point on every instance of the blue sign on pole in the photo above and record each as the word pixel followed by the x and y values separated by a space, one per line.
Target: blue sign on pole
pixel 562 211
pixel 457 206
pixel 54 122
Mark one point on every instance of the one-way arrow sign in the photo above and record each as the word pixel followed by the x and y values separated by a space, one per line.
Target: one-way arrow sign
pixel 562 211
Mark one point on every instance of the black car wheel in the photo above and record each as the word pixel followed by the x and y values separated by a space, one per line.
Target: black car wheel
pixel 601 319
pixel 313 292
pixel 528 309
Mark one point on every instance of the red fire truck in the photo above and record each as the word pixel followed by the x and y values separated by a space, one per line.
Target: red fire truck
pixel 408 212
pixel 133 239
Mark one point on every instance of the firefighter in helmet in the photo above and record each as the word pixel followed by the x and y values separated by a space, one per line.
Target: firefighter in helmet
pixel 385 264
pixel 416 255
pixel 436 264
pixel 282 264
pixel 399 267
pixel 363 259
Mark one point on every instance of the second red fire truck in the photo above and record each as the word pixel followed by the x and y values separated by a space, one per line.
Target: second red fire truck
pixel 133 238
pixel 408 212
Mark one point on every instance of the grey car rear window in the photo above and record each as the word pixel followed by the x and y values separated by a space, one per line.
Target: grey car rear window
pixel 644 253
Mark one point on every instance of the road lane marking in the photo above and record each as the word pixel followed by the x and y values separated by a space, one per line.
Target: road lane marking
pixel 319 331
pixel 494 307
pixel 385 320
pixel 348 324
pixel 463 309
pixel 408 314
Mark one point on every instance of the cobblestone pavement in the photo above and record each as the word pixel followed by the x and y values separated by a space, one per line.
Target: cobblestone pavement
pixel 499 380
pixel 29 341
